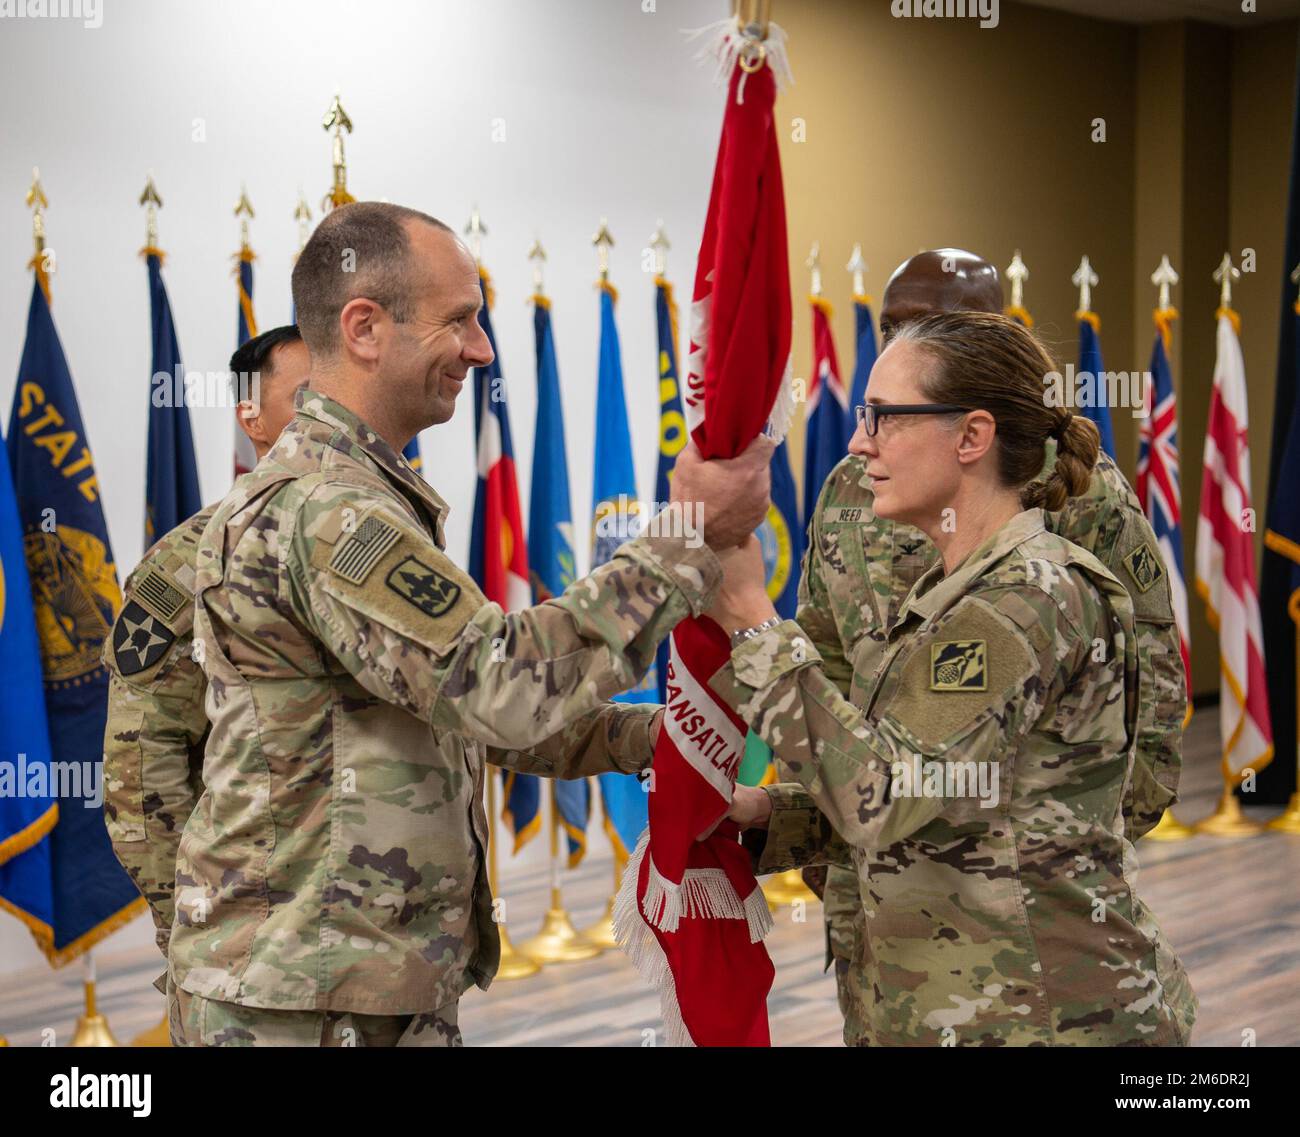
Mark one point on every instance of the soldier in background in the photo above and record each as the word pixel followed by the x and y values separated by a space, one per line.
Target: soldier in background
pixel 331 881
pixel 977 772
pixel 859 569
pixel 153 742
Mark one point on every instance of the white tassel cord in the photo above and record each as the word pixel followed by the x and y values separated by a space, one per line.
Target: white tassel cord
pixel 724 41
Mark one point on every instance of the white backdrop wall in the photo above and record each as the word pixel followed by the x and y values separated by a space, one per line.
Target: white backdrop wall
pixel 604 112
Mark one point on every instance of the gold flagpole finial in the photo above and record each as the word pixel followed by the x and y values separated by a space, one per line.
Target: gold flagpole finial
pixel 1017 273
pixel 538 256
pixel 41 262
pixel 1164 278
pixel 659 243
pixel 1225 274
pixel 336 119
pixel 858 267
pixel 152 203
pixel 603 241
pixel 302 215
pixel 814 265
pixel 1083 279
pixel 475 230
pixel 244 211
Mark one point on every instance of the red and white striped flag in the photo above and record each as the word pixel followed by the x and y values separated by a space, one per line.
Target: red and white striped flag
pixel 690 913
pixel 1225 562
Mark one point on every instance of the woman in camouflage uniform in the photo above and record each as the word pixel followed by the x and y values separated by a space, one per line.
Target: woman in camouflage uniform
pixel 975 776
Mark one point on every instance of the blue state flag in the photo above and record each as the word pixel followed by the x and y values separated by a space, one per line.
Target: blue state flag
pixel 75 598
pixel 1093 404
pixel 615 518
pixel 171 482
pixel 781 537
pixel 866 359
pixel 27 812
pixel 673 434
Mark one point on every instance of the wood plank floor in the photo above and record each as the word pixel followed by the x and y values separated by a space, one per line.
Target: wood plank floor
pixel 1230 907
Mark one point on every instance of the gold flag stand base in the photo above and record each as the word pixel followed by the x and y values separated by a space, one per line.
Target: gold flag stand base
pixel 786 888
pixel 514 963
pixel 559 941
pixel 601 933
pixel 1228 820
pixel 92 1027
pixel 159 1035
pixel 1169 828
pixel 1288 822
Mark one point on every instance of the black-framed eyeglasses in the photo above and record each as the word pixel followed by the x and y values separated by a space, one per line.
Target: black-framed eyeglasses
pixel 870 414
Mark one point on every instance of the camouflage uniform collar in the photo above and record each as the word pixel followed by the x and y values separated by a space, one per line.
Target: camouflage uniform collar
pixel 314 405
pixel 934 593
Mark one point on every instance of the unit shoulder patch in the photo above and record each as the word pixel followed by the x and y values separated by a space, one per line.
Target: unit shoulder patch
pixel 1143 565
pixel 424 586
pixel 140 639
pixel 959 665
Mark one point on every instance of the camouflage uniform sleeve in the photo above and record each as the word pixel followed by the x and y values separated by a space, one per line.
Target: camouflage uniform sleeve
pixel 414 629
pixel 614 738
pixel 847 762
pixel 798 835
pixel 155 727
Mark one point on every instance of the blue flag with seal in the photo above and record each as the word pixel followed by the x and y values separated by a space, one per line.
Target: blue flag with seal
pixel 1093 397
pixel 866 359
pixel 27 812
pixel 75 598
pixel 615 518
pixel 171 483
pixel 673 434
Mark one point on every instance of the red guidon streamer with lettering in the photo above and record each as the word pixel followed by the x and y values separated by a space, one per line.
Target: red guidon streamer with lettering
pixel 690 913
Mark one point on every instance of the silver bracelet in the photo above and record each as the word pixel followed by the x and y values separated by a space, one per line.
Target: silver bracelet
pixel 743 634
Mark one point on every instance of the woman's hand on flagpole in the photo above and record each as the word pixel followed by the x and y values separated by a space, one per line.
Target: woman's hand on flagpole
pixel 742 600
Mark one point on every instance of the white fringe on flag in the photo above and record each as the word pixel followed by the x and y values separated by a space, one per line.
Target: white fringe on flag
pixel 778 423
pixel 702 893
pixel 725 40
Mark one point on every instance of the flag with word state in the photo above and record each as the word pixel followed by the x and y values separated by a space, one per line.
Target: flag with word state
pixel 827 410
pixel 617 517
pixel 866 359
pixel 1093 396
pixel 690 913
pixel 498 554
pixel 75 599
pixel 1225 562
pixel 672 422
pixel 1158 486
pixel 171 492
pixel 27 810
pixel 245 330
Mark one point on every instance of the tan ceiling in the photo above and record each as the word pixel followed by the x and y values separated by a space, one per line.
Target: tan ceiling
pixel 1150 11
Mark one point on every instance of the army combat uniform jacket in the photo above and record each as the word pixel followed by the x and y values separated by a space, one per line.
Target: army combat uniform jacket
pixel 357 682
pixel 978 775
pixel 859 568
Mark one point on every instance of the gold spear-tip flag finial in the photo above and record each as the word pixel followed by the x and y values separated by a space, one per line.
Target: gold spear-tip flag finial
pixel 244 211
pixel 1225 274
pixel 858 267
pixel 42 263
pixel 475 230
pixel 537 255
pixel 1018 273
pixel 152 202
pixel 659 243
pixel 604 241
pixel 814 266
pixel 1084 278
pixel 1164 278
pixel 336 119
pixel 302 215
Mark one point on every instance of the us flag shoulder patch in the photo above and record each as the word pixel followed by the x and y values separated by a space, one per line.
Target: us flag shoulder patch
pixel 357 556
pixel 156 593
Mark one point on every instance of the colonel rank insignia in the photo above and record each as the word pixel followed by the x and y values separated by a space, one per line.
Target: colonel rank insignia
pixel 959 665
pixel 425 587
pixel 1144 567
pixel 139 639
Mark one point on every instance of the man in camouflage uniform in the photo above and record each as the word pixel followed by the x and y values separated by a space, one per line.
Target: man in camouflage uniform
pixel 153 743
pixel 331 885
pixel 859 568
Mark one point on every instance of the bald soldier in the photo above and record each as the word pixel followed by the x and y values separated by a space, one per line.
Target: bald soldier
pixel 848 545
pixel 331 885
pixel 153 741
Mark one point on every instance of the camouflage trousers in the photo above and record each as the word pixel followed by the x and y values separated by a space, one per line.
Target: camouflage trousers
pixel 853 1005
pixel 196 1021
